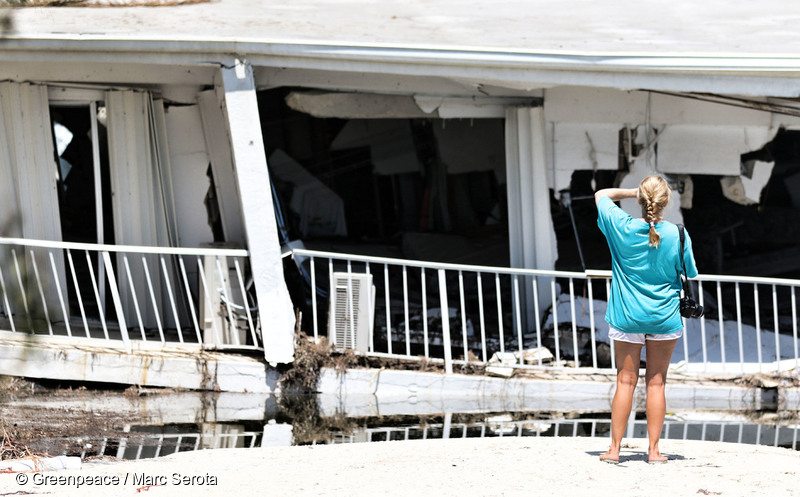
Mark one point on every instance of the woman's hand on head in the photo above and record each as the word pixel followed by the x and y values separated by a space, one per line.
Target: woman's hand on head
pixel 616 194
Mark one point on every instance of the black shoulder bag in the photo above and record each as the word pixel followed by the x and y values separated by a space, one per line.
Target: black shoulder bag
pixel 689 308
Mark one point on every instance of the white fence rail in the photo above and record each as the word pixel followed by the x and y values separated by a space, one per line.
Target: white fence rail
pixel 146 445
pixel 674 429
pixel 460 314
pixel 119 294
pixel 143 445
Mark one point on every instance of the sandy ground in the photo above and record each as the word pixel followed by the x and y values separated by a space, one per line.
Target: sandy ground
pixel 462 467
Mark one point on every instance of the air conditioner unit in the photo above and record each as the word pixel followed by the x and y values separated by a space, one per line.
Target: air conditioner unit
pixel 352 308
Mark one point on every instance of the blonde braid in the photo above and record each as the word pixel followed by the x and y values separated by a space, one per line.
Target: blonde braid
pixel 654 195
pixel 655 238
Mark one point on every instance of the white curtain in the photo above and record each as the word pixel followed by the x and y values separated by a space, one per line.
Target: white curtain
pixel 136 156
pixel 29 196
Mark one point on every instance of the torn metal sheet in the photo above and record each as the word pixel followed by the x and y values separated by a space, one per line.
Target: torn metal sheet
pixel 744 190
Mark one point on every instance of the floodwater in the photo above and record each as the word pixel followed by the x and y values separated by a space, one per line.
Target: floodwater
pixel 125 426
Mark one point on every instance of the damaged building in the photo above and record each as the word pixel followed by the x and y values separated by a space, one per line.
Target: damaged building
pixel 436 184
pixel 165 193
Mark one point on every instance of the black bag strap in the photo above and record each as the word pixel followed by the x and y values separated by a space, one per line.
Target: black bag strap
pixel 687 289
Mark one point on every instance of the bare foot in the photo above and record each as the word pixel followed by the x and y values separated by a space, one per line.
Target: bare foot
pixel 611 457
pixel 656 457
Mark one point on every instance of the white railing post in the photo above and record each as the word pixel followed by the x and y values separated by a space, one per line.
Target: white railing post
pixel 112 282
pixel 425 345
pixel 448 352
pixel 405 310
pixel 165 297
pixel 127 299
pixel 314 298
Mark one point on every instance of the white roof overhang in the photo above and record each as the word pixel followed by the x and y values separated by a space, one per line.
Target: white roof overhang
pixel 744 48
pixel 755 76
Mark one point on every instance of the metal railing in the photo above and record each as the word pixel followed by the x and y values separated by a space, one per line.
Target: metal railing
pixel 750 323
pixel 141 445
pixel 674 429
pixel 119 294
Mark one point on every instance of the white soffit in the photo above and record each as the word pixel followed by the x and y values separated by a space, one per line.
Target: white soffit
pixel 478 108
pixel 344 105
pixel 668 109
pixel 594 105
pixel 354 105
pixel 704 149
pixel 599 105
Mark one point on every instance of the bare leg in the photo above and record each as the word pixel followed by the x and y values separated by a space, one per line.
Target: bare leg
pixel 627 358
pixel 658 353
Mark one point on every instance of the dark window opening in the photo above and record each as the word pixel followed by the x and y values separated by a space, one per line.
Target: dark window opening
pixel 403 186
pixel 85 216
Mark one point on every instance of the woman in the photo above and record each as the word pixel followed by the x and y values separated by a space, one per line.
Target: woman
pixel 643 306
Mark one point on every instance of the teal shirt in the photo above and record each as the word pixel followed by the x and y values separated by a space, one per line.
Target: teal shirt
pixel 645 288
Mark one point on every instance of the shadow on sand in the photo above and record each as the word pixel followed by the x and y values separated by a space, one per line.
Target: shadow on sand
pixel 635 456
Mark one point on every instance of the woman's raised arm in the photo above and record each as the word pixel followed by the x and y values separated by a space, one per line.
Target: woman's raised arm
pixel 616 194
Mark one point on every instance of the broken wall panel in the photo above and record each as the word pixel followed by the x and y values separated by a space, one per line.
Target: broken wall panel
pixel 708 149
pixel 189 162
pixel 592 146
pixel 747 190
pixel 698 137
pixel 754 185
pixel 218 148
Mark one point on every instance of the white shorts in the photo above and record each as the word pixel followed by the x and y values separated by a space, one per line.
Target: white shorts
pixel 641 337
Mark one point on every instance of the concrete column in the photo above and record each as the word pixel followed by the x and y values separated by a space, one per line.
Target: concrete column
pixel 532 238
pixel 250 163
